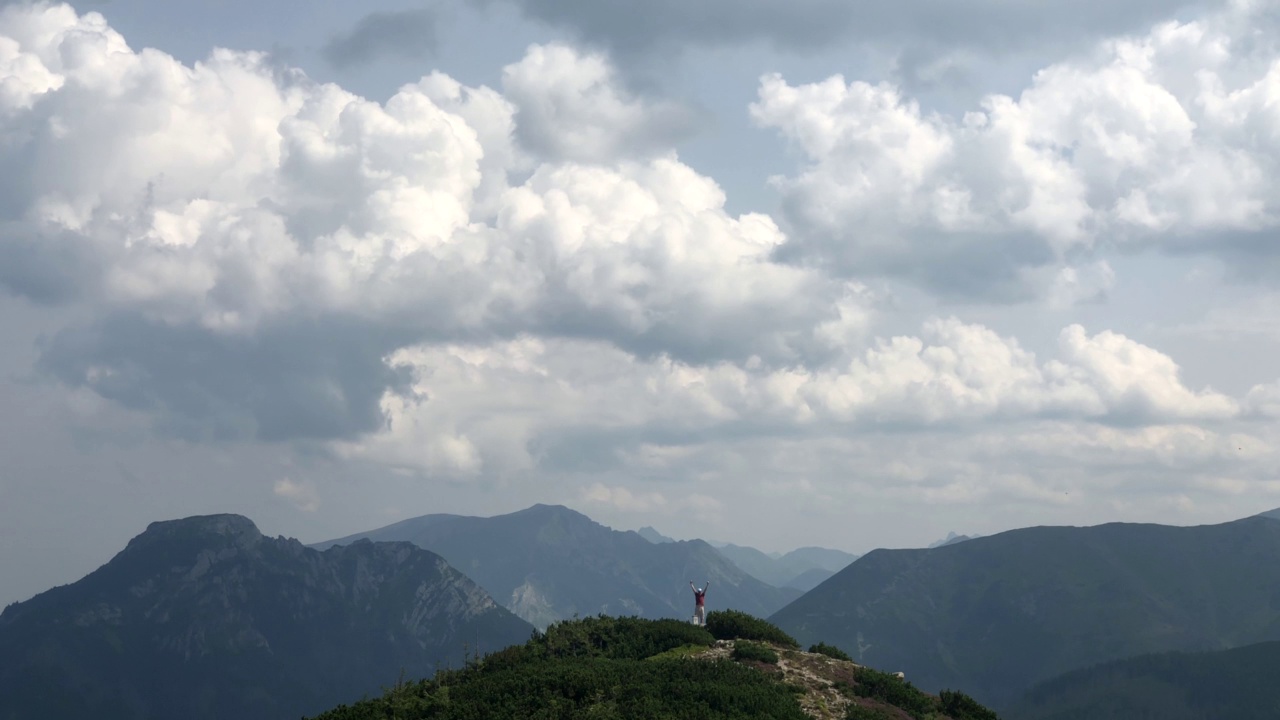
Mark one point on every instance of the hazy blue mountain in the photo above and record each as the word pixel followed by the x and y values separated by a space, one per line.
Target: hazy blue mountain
pixel 819 557
pixel 784 570
pixel 809 579
pixel 206 618
pixel 1236 684
pixel 653 536
pixel 548 563
pixel 717 544
pixel 801 569
pixel 951 539
pixel 998 614
pixel 759 565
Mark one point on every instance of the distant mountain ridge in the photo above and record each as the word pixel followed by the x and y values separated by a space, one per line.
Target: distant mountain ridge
pixel 803 569
pixel 784 570
pixel 996 615
pixel 205 618
pixel 548 563
pixel 810 579
pixel 951 539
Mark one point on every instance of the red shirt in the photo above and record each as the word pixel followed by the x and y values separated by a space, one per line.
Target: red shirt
pixel 699 596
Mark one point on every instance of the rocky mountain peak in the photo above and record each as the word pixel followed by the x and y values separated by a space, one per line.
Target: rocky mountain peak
pixel 226 529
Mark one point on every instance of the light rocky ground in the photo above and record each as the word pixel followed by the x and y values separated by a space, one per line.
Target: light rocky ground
pixel 817 674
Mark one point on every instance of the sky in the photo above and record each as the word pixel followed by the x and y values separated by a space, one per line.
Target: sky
pixel 824 272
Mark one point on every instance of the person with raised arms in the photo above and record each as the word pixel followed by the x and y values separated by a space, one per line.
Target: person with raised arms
pixel 699 597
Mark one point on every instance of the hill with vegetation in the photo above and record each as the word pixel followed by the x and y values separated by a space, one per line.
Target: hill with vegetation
pixel 1236 684
pixel 737 667
pixel 549 563
pixel 996 615
pixel 205 618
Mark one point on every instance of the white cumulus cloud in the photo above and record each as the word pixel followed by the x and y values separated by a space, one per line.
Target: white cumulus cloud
pixel 571 106
pixel 526 285
pixel 298 234
pixel 1166 139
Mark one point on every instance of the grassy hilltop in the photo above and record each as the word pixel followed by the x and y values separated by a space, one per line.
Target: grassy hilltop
pixel 614 668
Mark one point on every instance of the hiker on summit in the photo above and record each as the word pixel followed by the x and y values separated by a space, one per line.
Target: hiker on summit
pixel 699 610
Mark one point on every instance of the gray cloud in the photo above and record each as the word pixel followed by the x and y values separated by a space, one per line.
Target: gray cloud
pixel 403 33
pixel 47 268
pixel 315 379
pixel 629 27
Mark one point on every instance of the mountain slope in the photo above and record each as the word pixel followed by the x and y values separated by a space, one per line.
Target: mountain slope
pixel 1239 684
pixel 998 614
pixel 548 563
pixel 206 618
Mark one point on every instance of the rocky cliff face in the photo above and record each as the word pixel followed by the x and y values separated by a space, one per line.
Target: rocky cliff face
pixel 207 618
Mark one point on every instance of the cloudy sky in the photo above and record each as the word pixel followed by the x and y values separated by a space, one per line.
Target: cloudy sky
pixel 821 272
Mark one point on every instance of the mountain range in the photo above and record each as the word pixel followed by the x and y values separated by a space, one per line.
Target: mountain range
pixel 802 569
pixel 998 614
pixel 549 563
pixel 207 618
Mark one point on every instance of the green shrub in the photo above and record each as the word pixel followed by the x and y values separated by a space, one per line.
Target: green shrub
pixel 746 650
pixel 731 624
pixel 893 691
pixel 680 653
pixel 623 638
pixel 962 707
pixel 830 651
